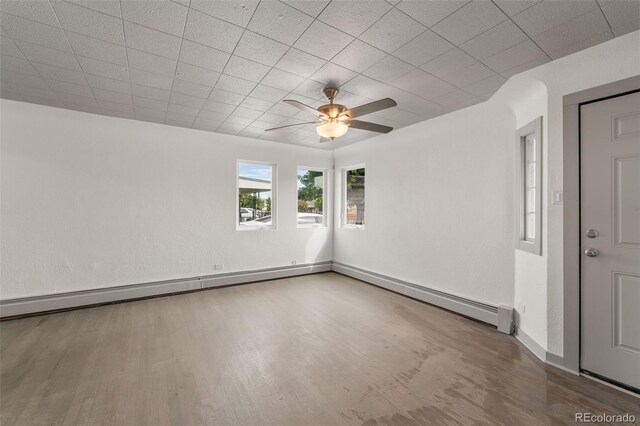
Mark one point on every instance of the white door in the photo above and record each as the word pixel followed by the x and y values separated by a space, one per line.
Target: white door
pixel 610 240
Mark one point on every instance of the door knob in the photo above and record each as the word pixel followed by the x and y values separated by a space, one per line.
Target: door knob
pixel 591 233
pixel 591 252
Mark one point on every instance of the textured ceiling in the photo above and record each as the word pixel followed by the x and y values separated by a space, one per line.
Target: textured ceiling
pixel 223 66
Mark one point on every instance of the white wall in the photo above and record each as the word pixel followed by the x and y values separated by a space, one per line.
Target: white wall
pixel 605 63
pixel 455 173
pixel 92 201
pixel 439 204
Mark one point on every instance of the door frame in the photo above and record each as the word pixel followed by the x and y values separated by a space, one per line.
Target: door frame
pixel 571 213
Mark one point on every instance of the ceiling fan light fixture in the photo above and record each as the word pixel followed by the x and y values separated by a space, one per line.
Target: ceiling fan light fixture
pixel 332 129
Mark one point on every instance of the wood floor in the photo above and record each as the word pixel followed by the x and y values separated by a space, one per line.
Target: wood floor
pixel 322 349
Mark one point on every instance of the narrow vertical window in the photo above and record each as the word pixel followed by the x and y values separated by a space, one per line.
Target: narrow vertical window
pixel 256 190
pixel 353 206
pixel 311 197
pixel 529 161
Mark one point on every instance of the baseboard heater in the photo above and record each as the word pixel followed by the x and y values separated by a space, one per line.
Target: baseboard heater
pixel 500 316
pixel 75 299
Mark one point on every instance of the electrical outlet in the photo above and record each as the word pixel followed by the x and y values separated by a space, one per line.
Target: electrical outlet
pixel 218 267
pixel 293 262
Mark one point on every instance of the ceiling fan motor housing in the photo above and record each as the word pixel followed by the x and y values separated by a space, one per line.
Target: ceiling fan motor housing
pixel 332 110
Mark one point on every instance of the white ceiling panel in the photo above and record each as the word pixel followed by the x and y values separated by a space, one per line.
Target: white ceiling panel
pixel 225 65
pixel 253 107
pixel 35 53
pixel 260 49
pixel 186 100
pixel 246 69
pixel 322 40
pixel 203 56
pixel 89 22
pixel 310 7
pixel 353 16
pixel 152 41
pixel 99 82
pixel 486 86
pixel 392 31
pixel 152 63
pixel 106 95
pixel 469 75
pixel 104 69
pixel 548 14
pixel 161 15
pixel 196 74
pixel 33 32
pixel 212 32
pixel 494 40
pixel 268 93
pixel 235 85
pixel 333 75
pixel 422 49
pixel 279 21
pixel 149 92
pixel 560 41
pixel 110 7
pixel 60 74
pixel 469 21
pixel 622 15
pixel 72 89
pixel 447 63
pixel 283 80
pixel 514 56
pixel 235 11
pixel 150 79
pixel 19 65
pixel 151 104
pixel 97 49
pixel 388 69
pixel 300 63
pixel 39 11
pixel 192 89
pixel 224 96
pixel 8 47
pixel 217 107
pixel 513 7
pixel 358 56
pixel 431 12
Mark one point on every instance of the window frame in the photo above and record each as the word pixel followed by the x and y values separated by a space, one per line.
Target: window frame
pixel 343 207
pixel 531 245
pixel 325 180
pixel 274 200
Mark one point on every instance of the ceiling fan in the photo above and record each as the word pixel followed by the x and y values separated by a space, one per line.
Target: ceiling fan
pixel 334 119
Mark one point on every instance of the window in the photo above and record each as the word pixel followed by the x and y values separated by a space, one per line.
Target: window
pixel 311 199
pixel 529 169
pixel 256 190
pixel 353 197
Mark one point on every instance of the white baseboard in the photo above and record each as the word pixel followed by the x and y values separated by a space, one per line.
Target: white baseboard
pixel 461 305
pixel 541 353
pixel 531 344
pixel 52 302
pixel 219 280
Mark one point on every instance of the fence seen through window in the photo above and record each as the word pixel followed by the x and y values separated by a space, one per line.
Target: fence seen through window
pixel 353 213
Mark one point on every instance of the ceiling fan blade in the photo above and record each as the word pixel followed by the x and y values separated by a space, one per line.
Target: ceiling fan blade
pixel 291 125
pixel 370 107
pixel 303 107
pixel 323 139
pixel 372 127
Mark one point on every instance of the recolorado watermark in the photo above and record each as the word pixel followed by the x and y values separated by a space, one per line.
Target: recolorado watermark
pixel 604 418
